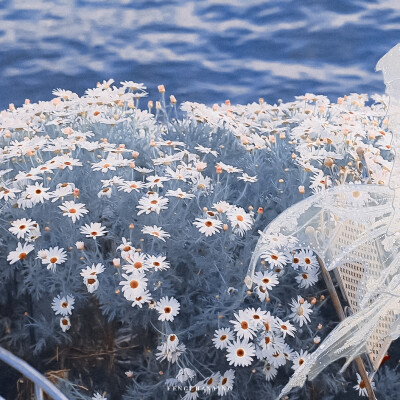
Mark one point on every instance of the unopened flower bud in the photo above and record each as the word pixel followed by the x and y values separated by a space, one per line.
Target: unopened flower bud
pixel 225 227
pixel 301 190
pixel 261 100
pixel 218 169
pixel 76 193
pixel 317 340
pixel 80 245
pixel 172 99
pixel 131 226
pixel 260 210
pixel 227 102
pixel 117 262
pixel 215 107
pixel 313 301
pixel 319 327
pixel 328 162
pixel 161 88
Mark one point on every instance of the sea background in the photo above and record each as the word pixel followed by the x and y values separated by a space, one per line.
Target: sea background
pixel 205 50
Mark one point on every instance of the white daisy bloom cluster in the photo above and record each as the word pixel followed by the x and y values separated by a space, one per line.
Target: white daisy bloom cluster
pixel 148 218
pixel 63 306
pixel 256 334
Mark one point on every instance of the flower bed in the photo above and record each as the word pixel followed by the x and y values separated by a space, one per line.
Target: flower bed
pixel 127 234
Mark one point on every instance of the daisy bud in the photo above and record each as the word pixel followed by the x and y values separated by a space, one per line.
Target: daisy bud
pixel 319 327
pixel 227 102
pixel 131 105
pixel 152 143
pixel 281 181
pixel 267 299
pixel 117 291
pixel 150 104
pixel 294 156
pixel 272 139
pixel 172 99
pixel 131 226
pixel 132 165
pixel 218 169
pixel 117 262
pixel 80 245
pixel 215 107
pixel 225 227
pixel 7 134
pixel 261 100
pixel 251 208
pixel 129 374
pixel 340 100
pixel 301 301
pixel 158 105
pixel 56 101
pixel 328 162
pixel 317 340
pixel 301 190
pixel 260 210
pixel 135 154
pixel 76 193
pixel 161 88
pixel 152 304
pixel 313 301
pixel 282 135
pixel 11 107
pixel 46 228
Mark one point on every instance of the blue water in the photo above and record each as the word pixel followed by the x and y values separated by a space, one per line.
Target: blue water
pixel 205 50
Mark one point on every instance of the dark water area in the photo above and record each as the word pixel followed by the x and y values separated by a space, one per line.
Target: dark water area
pixel 204 50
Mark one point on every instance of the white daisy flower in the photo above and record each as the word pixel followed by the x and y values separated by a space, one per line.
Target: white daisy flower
pixel 136 261
pixel 308 260
pixel 240 221
pixel 152 203
pixel 222 337
pixel 266 279
pixel 93 230
pixel 128 186
pixel 168 308
pixel 179 194
pixel 134 284
pixel 299 359
pixel 208 226
pixel 244 325
pixel 185 374
pixel 52 257
pixel 247 178
pixel 141 298
pixel 307 278
pixel 63 305
pixel 285 327
pixel 37 193
pixel 73 210
pixel 22 226
pixel 362 390
pixel 226 382
pixel 275 258
pixel 211 383
pixel 19 253
pixel 65 323
pixel 301 310
pixel 155 231
pixel 269 371
pixel 240 353
pixel 159 263
pixel 90 278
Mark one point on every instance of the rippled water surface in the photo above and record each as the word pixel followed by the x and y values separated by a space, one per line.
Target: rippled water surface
pixel 205 50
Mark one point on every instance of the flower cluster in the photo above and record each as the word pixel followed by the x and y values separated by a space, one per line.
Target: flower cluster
pixel 143 222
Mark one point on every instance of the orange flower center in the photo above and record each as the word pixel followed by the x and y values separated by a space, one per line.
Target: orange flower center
pixel 53 260
pixel 240 352
pixel 208 223
pixel 167 310
pixel 134 284
pixel 239 218
pixel 22 256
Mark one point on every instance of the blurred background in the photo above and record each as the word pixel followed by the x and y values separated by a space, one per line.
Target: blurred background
pixel 205 50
